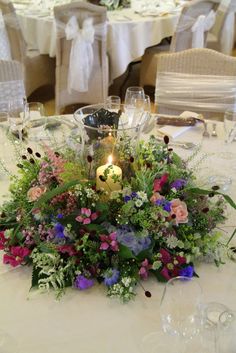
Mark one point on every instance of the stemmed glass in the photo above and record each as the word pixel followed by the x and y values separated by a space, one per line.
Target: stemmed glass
pixel 16 117
pixel 134 103
pixel 226 332
pixel 181 310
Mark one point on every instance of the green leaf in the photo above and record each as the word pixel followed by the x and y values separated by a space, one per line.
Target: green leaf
pixel 52 193
pixel 35 277
pixel 125 252
pixel 199 191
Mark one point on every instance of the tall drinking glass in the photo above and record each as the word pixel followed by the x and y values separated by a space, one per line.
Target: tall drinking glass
pixel 180 309
pixel 230 125
pixel 134 103
pixel 16 117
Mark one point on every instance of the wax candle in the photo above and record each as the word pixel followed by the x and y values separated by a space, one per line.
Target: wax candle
pixel 108 183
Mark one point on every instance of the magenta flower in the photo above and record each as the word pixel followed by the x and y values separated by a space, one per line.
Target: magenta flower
pixel 109 242
pixel 17 255
pixel 2 240
pixel 67 249
pixel 159 183
pixel 171 264
pixel 86 216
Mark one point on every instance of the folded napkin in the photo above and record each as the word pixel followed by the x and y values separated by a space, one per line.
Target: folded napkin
pixel 175 131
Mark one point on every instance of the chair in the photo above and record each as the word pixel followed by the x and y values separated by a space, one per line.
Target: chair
pixel 72 85
pixel 39 70
pixel 221 35
pixel 11 82
pixel 199 80
pixel 182 39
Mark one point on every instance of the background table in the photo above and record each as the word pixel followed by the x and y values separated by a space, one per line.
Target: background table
pixel 89 322
pixel 128 34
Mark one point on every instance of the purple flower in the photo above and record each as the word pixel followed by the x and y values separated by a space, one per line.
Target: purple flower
pixel 59 231
pixel 178 184
pixel 165 204
pixel 60 216
pixel 126 236
pixel 187 271
pixel 127 198
pixel 133 194
pixel 83 283
pixel 111 277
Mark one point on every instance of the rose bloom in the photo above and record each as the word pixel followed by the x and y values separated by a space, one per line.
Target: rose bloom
pixel 35 192
pixel 156 196
pixel 179 208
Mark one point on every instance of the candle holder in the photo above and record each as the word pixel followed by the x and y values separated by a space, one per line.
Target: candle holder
pixel 101 131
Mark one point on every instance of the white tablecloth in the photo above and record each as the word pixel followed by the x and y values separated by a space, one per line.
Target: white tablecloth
pixel 89 322
pixel 129 34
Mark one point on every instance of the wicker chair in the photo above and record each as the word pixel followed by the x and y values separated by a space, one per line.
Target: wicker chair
pixel 39 70
pixel 181 40
pixel 98 80
pixel 198 62
pixel 11 82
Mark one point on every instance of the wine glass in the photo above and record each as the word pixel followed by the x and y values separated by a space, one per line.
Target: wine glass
pixel 134 103
pixel 226 332
pixel 35 120
pixel 181 309
pixel 16 117
pixel 230 125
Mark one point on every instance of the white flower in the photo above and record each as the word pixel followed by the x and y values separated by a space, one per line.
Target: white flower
pixel 156 265
pixel 172 242
pixel 142 195
pixel 138 203
pixel 114 195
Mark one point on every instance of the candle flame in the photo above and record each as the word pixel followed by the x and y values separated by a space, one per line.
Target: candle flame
pixel 109 160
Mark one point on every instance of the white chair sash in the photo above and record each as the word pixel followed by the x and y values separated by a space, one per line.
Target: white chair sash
pixel 5 50
pixel 198 26
pixel 200 92
pixel 81 54
pixel 202 25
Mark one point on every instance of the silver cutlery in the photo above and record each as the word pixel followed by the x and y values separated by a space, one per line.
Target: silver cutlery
pixel 185 145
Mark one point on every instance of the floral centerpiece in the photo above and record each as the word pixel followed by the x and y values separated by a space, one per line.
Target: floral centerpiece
pixel 141 215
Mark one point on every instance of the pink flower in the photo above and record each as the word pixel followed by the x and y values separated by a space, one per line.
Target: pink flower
pixel 159 183
pixel 2 240
pixel 35 192
pixel 156 196
pixel 86 216
pixel 17 255
pixel 143 271
pixel 109 242
pixel 179 209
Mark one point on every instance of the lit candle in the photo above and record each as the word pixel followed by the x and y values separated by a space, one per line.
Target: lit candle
pixel 107 183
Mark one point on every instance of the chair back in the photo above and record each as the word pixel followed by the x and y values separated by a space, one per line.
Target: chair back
pixel 11 82
pixel 81 61
pixel 199 80
pixel 14 33
pixel 196 19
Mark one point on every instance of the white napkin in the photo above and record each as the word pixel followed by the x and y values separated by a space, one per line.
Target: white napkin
pixel 175 131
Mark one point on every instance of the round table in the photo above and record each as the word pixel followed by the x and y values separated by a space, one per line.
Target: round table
pixel 88 321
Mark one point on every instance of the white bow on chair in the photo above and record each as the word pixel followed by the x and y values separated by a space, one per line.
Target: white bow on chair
pixel 201 25
pixel 81 54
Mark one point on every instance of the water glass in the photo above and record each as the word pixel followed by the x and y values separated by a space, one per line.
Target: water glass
pixel 230 125
pixel 134 104
pixel 113 103
pixel 181 308
pixel 16 117
pixel 35 120
pixel 227 332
